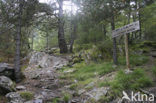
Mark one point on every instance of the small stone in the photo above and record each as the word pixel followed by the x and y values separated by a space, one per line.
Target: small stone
pixel 69 71
pixel 81 91
pixel 90 85
pixel 127 71
pixel 21 87
pixel 96 93
pixel 75 101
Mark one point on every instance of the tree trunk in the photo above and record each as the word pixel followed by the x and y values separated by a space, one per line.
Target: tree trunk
pixel 32 42
pixel 61 38
pixel 139 16
pixel 73 35
pixel 114 39
pixel 18 43
pixel 47 45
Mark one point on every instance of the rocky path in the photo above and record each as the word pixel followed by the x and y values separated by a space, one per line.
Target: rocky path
pixel 41 77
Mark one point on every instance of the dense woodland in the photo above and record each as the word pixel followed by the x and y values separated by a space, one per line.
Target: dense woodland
pixel 79 32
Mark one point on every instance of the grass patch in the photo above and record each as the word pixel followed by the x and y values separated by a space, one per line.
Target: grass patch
pixel 27 95
pixel 85 72
pixel 135 60
pixel 55 100
pixel 73 87
pixel 66 97
pixel 103 84
pixel 133 81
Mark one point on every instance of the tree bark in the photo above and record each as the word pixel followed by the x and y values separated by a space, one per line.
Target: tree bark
pixel 18 73
pixel 139 17
pixel 114 39
pixel 61 38
pixel 73 35
pixel 47 45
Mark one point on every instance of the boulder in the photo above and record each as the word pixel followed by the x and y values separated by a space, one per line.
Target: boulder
pixel 7 70
pixel 14 97
pixel 6 85
pixel 44 60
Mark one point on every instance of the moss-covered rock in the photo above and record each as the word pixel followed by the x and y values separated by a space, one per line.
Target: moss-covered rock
pixel 26 95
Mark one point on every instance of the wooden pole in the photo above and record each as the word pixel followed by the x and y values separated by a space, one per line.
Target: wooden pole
pixel 126 51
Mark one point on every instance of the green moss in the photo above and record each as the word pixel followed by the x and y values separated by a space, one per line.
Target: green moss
pixel 27 95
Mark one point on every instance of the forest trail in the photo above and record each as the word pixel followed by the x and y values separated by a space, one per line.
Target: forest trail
pixel 42 78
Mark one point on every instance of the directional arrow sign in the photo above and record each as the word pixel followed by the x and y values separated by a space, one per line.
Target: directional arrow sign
pixel 126 29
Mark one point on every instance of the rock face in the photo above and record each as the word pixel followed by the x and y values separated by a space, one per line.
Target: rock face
pixel 6 70
pixel 44 60
pixel 14 97
pixel 6 85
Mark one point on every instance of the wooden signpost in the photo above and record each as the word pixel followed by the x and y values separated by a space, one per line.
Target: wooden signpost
pixel 124 31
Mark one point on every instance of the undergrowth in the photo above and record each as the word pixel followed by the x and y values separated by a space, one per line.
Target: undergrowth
pixel 132 81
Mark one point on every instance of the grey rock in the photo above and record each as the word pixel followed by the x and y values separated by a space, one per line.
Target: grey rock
pixel 44 60
pixel 90 85
pixel 14 97
pixel 6 85
pixel 81 91
pixel 21 87
pixel 153 53
pixel 6 70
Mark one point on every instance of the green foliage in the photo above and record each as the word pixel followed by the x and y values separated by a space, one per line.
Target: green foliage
pixel 55 100
pixel 135 80
pixel 78 47
pixel 135 60
pixel 66 97
pixel 73 86
pixel 103 84
pixel 149 21
pixel 106 49
pixel 154 70
pixel 27 95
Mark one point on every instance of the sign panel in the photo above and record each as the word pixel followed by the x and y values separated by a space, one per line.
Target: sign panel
pixel 126 29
